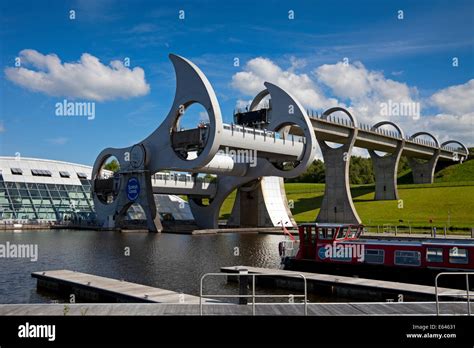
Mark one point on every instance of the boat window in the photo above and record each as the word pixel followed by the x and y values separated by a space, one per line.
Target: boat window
pixel 458 255
pixel 434 254
pixel 326 233
pixel 344 255
pixel 374 256
pixel 352 232
pixel 341 233
pixel 407 258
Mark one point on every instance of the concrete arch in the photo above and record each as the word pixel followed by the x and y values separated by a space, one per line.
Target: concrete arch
pixel 328 112
pixel 394 125
pixel 257 99
pixel 386 167
pixel 423 173
pixel 456 142
pixel 428 134
pixel 337 205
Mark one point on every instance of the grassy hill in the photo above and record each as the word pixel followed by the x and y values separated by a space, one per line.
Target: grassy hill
pixel 456 172
pixel 449 201
pixel 453 173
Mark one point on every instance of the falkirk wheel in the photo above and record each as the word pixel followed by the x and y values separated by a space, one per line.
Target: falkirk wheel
pixel 280 153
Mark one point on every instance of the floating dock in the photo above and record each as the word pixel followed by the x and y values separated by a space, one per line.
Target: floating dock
pixel 146 300
pixel 349 287
pixel 101 289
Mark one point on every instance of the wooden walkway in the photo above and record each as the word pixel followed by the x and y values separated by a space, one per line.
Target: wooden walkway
pixel 362 284
pixel 146 300
pixel 96 288
pixel 314 309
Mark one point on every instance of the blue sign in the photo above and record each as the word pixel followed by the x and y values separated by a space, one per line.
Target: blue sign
pixel 133 189
pixel 322 253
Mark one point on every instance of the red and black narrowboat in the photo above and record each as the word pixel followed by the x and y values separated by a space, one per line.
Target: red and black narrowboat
pixel 343 249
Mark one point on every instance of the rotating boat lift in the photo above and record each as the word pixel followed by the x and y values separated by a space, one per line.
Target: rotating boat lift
pixel 203 150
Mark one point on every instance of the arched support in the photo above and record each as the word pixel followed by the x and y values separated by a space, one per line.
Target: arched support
pixel 207 216
pixel 131 185
pixel 145 199
pixel 262 204
pixel 337 205
pixel 386 167
pixel 423 172
pixel 457 156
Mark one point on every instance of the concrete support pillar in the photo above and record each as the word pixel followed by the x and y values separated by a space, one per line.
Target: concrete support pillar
pixel 207 216
pixel 386 167
pixel 423 172
pixel 337 205
pixel 144 198
pixel 262 204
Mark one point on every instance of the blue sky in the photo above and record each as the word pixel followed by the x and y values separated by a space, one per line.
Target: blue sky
pixel 416 51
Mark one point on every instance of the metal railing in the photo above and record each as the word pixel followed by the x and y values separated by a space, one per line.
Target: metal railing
pixel 253 296
pixel 468 298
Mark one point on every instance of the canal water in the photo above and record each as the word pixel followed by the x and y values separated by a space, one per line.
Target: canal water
pixel 170 261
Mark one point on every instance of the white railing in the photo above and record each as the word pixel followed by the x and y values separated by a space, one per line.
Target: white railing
pixel 468 298
pixel 253 296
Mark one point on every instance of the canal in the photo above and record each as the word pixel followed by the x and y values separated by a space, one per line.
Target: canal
pixel 170 261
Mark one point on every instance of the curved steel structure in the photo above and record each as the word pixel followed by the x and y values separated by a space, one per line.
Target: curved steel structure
pixel 166 149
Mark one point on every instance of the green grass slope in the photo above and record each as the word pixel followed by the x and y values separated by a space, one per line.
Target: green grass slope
pixel 460 172
pixel 445 204
pixel 456 172
pixel 449 201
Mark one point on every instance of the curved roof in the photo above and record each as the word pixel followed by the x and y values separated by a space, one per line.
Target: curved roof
pixel 9 158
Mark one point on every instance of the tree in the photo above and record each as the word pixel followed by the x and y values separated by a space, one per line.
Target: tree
pixel 113 166
pixel 315 173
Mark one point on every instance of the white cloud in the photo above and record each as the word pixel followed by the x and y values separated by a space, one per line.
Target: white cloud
pixel 451 127
pixel 362 87
pixel 260 70
pixel 86 79
pixel 242 104
pixel 457 100
pixel 203 116
pixel 346 81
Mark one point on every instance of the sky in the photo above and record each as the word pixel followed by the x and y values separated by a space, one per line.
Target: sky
pixel 114 54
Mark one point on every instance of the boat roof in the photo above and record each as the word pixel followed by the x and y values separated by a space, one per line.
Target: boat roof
pixel 328 224
pixel 412 242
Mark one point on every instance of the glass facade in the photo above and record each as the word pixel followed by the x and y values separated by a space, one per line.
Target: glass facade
pixel 38 201
pixel 36 190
